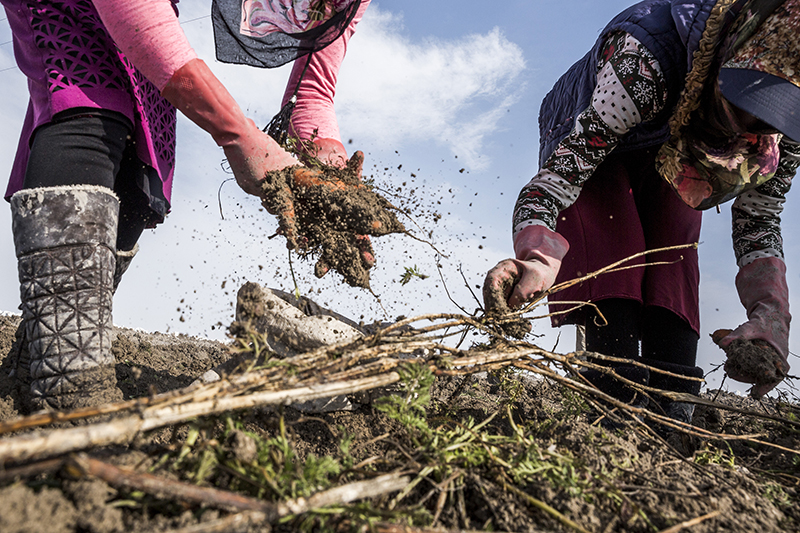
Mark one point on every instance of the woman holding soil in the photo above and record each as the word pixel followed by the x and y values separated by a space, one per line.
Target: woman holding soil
pixel 95 164
pixel 695 97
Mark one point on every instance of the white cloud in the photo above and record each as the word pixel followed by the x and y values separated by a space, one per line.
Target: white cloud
pixel 453 93
pixel 394 91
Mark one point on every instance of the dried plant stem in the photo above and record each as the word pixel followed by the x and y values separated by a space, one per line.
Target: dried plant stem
pixel 612 266
pixel 164 488
pixel 691 523
pixel 351 366
pixel 45 444
pixel 230 501
pixel 539 504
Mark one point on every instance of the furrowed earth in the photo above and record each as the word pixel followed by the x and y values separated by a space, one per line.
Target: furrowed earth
pixel 495 451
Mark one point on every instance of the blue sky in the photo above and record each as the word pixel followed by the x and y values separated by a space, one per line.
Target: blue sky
pixel 448 91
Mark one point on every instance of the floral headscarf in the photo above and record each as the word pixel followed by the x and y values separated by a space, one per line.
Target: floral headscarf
pixel 717 158
pixel 714 158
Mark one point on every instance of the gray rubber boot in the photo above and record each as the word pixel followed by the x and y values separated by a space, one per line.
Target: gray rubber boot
pixel 65 243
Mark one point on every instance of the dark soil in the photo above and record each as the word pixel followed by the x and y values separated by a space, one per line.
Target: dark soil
pixel 328 211
pixel 755 362
pixel 606 480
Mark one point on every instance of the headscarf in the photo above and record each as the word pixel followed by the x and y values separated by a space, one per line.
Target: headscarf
pixel 710 157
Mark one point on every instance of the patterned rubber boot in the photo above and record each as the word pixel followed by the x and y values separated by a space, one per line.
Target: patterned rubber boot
pixel 65 244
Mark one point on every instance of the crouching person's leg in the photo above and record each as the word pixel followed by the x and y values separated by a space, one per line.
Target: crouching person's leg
pixel 669 344
pixel 616 336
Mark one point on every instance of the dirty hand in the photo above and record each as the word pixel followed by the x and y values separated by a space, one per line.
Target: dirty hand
pixel 333 153
pixel 513 282
pixel 763 292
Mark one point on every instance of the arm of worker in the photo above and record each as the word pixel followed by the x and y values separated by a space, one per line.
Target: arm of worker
pixel 630 90
pixel 149 34
pixel 314 116
pixel 761 280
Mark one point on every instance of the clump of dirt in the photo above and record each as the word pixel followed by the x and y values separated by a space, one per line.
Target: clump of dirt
pixel 494 298
pixel 327 212
pixel 755 362
pixel 25 510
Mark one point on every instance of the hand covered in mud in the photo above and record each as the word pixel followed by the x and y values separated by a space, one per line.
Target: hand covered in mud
pixel 328 212
pixel 332 152
pixel 757 351
pixel 515 281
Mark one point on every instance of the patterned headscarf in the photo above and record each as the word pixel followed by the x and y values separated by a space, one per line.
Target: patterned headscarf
pixel 711 158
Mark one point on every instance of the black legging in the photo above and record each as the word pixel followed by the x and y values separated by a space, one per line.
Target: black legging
pixel 92 147
pixel 665 336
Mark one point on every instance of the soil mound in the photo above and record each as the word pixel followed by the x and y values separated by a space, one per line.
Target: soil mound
pixel 500 450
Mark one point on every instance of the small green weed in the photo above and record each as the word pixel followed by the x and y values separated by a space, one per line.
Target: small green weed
pixel 411 273
pixel 775 493
pixel 510 383
pixel 711 455
pixel 453 446
pixel 408 407
pixel 573 404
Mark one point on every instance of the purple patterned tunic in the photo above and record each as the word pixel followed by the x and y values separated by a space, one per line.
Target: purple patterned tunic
pixel 71 61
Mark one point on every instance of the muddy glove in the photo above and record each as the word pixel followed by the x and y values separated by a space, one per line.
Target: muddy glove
pixel 513 282
pixel 251 153
pixel 333 153
pixel 758 349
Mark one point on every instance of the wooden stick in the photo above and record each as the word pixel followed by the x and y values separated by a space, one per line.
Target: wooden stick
pixel 266 511
pixel 30 470
pixel 169 489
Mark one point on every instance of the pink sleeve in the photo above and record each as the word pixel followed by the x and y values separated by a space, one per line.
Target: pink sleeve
pixel 148 33
pixel 314 109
